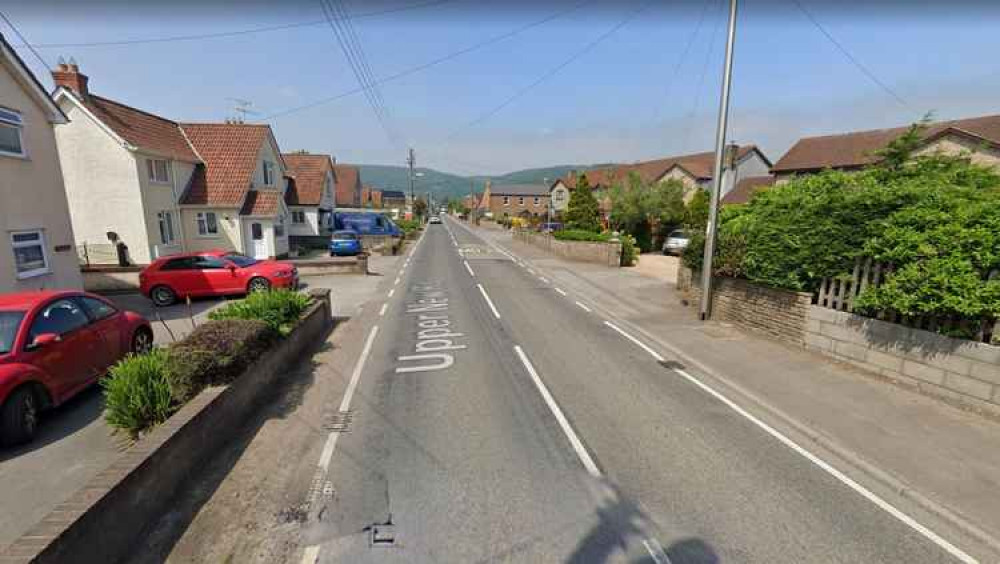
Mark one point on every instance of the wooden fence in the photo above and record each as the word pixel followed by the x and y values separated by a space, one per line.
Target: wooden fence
pixel 841 293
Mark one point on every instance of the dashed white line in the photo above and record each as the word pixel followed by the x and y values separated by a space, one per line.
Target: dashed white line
pixel 391 292
pixel 583 306
pixel 543 279
pixel 642 345
pixel 560 291
pixel 488 301
pixel 381 312
pixel 530 271
pixel 469 268
pixel 311 554
pixel 396 282
pixel 574 440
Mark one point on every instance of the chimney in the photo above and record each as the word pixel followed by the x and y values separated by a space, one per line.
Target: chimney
pixel 69 76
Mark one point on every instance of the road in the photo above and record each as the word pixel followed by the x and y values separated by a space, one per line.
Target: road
pixel 493 416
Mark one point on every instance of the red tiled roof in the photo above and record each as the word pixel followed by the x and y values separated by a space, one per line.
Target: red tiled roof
pixel 348 181
pixel 310 176
pixel 745 188
pixel 261 203
pixel 699 165
pixel 142 129
pixel 853 150
pixel 229 152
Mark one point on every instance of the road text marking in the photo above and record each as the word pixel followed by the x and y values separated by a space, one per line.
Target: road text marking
pixel 642 345
pixel 488 301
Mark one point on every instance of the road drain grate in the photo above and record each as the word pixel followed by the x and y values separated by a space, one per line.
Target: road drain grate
pixel 339 422
pixel 382 534
pixel 672 364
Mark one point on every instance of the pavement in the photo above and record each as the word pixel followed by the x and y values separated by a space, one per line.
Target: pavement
pixel 74 443
pixel 479 409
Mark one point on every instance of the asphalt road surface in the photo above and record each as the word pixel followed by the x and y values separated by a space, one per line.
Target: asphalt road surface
pixel 494 417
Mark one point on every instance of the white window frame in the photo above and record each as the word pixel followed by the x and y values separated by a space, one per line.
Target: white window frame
pixel 506 200
pixel 201 222
pixel 165 219
pixel 20 244
pixel 268 173
pixel 151 170
pixel 296 214
pixel 520 200
pixel 12 119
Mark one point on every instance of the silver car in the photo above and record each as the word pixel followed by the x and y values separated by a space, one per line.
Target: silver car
pixel 677 240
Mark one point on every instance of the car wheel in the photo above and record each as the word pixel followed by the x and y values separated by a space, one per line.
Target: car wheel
pixel 258 285
pixel 163 296
pixel 19 417
pixel 142 341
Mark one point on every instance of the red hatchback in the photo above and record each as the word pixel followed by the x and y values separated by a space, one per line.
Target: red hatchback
pixel 53 344
pixel 212 273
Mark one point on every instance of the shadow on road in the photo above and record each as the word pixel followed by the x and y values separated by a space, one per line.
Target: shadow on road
pixel 61 422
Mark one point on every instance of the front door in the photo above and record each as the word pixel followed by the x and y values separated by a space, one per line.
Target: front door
pixel 258 243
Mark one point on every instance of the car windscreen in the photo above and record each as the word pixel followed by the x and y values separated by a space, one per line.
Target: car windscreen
pixel 9 322
pixel 241 261
pixel 677 235
pixel 350 235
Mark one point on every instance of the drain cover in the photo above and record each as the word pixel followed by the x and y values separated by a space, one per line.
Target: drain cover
pixel 672 364
pixel 339 422
pixel 382 534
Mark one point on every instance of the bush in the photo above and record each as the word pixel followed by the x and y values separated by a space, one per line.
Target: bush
pixel 408 225
pixel 214 354
pixel 583 210
pixel 630 250
pixel 280 309
pixel 137 393
pixel 580 235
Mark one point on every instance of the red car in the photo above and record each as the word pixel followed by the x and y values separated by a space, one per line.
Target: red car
pixel 212 273
pixel 53 344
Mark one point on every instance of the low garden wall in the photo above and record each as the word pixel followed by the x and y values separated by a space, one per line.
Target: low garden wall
pixel 110 279
pixel 107 520
pixel 608 254
pixel 332 265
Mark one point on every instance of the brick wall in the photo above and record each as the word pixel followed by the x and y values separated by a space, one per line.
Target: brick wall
pixel 956 369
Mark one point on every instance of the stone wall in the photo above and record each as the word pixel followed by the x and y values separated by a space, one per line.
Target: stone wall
pixel 956 369
pixel 608 254
pixel 111 279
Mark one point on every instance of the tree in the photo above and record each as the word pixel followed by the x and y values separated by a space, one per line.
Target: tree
pixel 583 211
pixel 696 211
pixel 900 150
pixel 420 207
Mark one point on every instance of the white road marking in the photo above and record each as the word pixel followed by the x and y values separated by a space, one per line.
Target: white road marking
pixel 469 268
pixel 488 301
pixel 560 291
pixel 311 555
pixel 543 279
pixel 331 440
pixel 396 282
pixel 583 306
pixel 574 440
pixel 843 478
pixel 391 292
pixel 530 271
pixel 644 346
pixel 656 551
pixel 381 312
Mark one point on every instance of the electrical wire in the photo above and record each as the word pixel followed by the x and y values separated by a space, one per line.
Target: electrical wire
pixel 696 101
pixel 681 60
pixel 11 25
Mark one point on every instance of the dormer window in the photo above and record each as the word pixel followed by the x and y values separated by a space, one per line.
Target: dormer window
pixel 159 170
pixel 268 173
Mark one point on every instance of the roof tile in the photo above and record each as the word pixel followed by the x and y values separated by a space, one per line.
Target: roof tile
pixel 310 176
pixel 142 129
pixel 229 152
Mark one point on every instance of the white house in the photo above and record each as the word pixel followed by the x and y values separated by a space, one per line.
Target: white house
pixel 310 194
pixel 37 246
pixel 162 187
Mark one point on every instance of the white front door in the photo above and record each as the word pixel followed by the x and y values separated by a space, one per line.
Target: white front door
pixel 258 241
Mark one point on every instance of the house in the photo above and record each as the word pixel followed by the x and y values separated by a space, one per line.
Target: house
pixel 519 200
pixel 37 250
pixel 310 194
pixel 163 187
pixel 746 188
pixel 979 137
pixel 348 180
pixel 376 198
pixel 366 196
pixel 394 200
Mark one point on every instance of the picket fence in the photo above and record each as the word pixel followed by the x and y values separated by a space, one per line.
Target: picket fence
pixel 841 293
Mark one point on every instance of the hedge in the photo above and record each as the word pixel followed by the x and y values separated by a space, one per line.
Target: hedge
pixel 580 235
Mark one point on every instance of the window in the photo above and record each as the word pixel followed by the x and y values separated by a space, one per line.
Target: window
pixel 268 173
pixel 298 217
pixel 182 263
pixel 30 258
pixel 520 200
pixel 10 133
pixel 241 260
pixel 97 309
pixel 166 221
pixel 207 224
pixel 159 170
pixel 279 228
pixel 506 200
pixel 538 200
pixel 209 263
pixel 59 317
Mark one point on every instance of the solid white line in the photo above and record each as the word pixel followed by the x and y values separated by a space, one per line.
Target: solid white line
pixel 644 346
pixel 843 478
pixel 381 312
pixel 331 440
pixel 311 554
pixel 574 440
pixel 583 306
pixel 488 301
pixel 656 551
pixel 560 291
pixel 469 268
pixel 543 279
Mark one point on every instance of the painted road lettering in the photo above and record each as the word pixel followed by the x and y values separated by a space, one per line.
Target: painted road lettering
pixel 435 336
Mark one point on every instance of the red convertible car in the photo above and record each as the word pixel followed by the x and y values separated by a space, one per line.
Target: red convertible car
pixel 53 344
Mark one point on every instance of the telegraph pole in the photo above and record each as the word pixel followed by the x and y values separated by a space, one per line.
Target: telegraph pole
pixel 720 146
pixel 411 160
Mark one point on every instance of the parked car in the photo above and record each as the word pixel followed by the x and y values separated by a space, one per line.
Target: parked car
pixel 676 242
pixel 434 219
pixel 549 227
pixel 345 242
pixel 212 273
pixel 54 344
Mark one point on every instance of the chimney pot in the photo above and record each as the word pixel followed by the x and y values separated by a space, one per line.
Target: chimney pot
pixel 68 75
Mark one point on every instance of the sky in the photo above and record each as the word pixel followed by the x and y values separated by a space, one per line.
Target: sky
pixel 521 84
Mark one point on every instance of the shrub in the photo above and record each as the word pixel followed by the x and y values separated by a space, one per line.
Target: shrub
pixel 583 211
pixel 580 235
pixel 408 225
pixel 214 354
pixel 137 393
pixel 630 250
pixel 280 309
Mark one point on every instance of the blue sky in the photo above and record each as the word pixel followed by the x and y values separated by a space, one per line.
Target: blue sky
pixel 619 101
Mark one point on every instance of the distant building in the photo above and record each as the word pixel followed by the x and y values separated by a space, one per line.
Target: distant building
pixel 393 200
pixel 348 181
pixel 746 188
pixel 519 200
pixel 376 198
pixel 310 193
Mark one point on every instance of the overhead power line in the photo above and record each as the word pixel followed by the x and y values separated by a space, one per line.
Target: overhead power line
pixel 696 101
pixel 11 25
pixel 847 54
pixel 413 70
pixel 234 33
pixel 552 72
pixel 682 59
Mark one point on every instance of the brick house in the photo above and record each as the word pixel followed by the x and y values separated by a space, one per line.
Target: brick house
pixel 394 200
pixel 519 200
pixel 979 137
pixel 310 194
pixel 348 181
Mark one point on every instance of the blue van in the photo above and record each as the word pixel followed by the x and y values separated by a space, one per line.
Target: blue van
pixel 366 223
